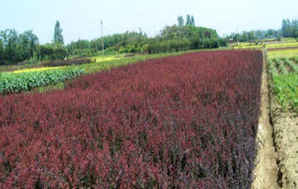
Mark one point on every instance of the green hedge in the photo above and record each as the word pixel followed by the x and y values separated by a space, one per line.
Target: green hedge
pixel 18 82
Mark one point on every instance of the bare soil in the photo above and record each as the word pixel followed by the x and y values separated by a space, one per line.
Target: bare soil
pixel 266 170
pixel 285 126
pixel 289 68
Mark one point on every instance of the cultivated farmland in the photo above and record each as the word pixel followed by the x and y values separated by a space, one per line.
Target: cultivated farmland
pixel 284 107
pixel 186 121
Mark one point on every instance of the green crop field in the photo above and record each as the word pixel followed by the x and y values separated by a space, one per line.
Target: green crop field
pixel 25 81
pixel 284 72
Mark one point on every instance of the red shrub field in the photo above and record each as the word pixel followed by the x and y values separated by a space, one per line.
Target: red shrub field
pixel 188 121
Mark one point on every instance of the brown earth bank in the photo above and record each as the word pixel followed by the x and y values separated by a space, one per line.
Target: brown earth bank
pixel 285 127
pixel 266 170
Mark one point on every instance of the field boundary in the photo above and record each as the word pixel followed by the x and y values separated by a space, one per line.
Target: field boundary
pixel 265 172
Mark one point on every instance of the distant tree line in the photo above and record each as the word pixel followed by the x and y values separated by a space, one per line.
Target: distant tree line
pixel 15 47
pixel 289 28
pixel 250 36
pixel 183 36
pixel 132 41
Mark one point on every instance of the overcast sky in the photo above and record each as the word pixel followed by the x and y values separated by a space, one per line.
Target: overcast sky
pixel 80 19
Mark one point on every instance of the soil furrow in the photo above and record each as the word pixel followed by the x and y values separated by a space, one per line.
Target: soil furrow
pixel 265 173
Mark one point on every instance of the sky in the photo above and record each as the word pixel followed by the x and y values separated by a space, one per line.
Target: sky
pixel 80 19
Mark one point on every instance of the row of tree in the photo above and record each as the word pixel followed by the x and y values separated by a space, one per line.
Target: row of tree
pixel 190 21
pixel 183 36
pixel 251 36
pixel 289 28
pixel 112 43
pixel 15 47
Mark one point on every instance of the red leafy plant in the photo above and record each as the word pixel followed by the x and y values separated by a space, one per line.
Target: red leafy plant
pixel 178 122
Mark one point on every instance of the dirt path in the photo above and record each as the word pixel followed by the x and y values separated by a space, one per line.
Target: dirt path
pixel 286 140
pixel 265 172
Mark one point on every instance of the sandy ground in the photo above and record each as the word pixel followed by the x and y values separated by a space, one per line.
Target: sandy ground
pixel 285 126
pixel 266 170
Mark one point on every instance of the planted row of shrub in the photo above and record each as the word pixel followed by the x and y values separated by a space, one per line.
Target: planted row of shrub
pixel 177 122
pixel 18 82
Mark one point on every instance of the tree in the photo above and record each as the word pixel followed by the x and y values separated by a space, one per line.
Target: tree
pixel 180 21
pixel 52 52
pixel 17 47
pixel 251 36
pixel 188 20
pixel 45 52
pixel 28 42
pixel 23 45
pixel 285 27
pixel 1 52
pixel 289 28
pixel 33 42
pixel 192 21
pixel 58 37
pixel 11 51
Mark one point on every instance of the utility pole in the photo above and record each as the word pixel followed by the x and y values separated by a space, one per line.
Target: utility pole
pixel 102 42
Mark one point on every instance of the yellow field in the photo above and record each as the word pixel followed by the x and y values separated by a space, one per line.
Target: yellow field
pixel 246 45
pixel 37 69
pixel 105 58
pixel 282 45
pixel 283 53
